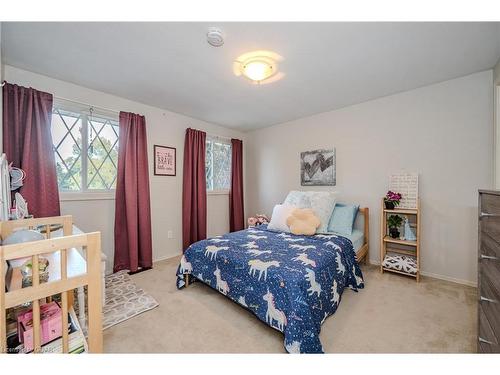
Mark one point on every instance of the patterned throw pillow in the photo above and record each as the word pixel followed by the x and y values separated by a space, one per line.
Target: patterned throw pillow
pixel 321 202
pixel 298 199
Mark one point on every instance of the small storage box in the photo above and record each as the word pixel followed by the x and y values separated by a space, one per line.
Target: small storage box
pixel 50 321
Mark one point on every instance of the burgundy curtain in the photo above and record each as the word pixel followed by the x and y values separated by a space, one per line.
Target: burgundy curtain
pixel 194 191
pixel 133 248
pixel 236 214
pixel 27 143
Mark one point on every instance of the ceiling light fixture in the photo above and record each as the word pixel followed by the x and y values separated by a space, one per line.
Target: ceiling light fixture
pixel 258 66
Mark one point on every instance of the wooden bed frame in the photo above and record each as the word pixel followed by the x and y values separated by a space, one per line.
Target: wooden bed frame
pixel 362 255
pixel 64 286
pixel 363 251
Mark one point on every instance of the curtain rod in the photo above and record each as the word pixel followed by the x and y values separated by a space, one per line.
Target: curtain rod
pixel 114 111
pixel 75 101
pixel 118 112
pixel 87 104
pixel 218 136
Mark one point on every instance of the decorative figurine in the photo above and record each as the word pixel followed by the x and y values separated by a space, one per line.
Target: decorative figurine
pixel 409 235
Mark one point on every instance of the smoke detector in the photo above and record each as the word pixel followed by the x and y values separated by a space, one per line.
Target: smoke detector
pixel 215 37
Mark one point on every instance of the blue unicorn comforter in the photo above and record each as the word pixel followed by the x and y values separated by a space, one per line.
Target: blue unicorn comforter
pixel 292 283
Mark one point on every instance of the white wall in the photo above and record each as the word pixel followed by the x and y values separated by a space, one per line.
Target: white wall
pixel 443 131
pixel 163 128
pixel 496 119
pixel 1 93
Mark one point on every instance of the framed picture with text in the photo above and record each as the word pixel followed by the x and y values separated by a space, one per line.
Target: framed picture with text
pixel 165 160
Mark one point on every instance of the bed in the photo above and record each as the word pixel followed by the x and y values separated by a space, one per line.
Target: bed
pixel 290 282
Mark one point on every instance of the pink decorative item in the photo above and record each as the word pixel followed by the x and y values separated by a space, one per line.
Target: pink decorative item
pixel 257 220
pixel 392 199
pixel 50 321
pixel 252 221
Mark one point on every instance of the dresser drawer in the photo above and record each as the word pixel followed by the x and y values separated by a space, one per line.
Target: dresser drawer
pixel 484 347
pixel 486 333
pixel 490 203
pixel 489 273
pixel 489 297
pixel 489 215
pixel 489 245
pixel 490 230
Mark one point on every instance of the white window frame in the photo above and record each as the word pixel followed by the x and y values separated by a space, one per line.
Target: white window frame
pixel 84 111
pixel 214 138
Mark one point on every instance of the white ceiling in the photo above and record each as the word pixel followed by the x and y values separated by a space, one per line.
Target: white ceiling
pixel 326 65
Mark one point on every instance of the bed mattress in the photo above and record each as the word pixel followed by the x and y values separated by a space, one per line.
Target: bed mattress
pixel 357 238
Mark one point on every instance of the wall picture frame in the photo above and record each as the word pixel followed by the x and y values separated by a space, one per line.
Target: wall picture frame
pixel 165 160
pixel 318 168
pixel 407 185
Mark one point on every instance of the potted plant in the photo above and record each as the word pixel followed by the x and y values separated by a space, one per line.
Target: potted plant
pixel 394 222
pixel 392 200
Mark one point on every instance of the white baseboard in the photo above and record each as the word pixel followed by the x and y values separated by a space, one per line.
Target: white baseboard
pixel 165 258
pixel 448 278
pixel 439 277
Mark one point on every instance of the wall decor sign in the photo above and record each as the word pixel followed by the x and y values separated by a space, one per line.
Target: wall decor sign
pixel 317 168
pixel 164 161
pixel 407 185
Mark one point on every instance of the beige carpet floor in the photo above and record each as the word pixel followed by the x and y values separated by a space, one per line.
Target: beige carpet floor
pixel 393 314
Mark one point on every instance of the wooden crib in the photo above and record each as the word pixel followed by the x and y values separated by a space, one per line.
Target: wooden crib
pixel 69 271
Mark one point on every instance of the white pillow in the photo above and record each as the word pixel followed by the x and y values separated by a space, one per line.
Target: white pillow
pixel 281 212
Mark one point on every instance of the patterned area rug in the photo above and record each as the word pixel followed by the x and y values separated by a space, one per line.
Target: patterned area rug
pixel 124 299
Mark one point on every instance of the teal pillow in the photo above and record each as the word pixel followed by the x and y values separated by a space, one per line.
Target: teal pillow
pixel 343 217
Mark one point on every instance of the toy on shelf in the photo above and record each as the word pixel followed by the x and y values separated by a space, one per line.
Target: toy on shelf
pixel 409 235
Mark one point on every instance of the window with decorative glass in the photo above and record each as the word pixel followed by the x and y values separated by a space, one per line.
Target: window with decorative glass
pixel 218 165
pixel 85 144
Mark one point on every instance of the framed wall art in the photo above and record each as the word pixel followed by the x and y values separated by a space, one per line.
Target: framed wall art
pixel 407 185
pixel 164 161
pixel 317 168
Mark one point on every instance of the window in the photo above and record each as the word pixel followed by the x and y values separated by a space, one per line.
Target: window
pixel 218 165
pixel 86 149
